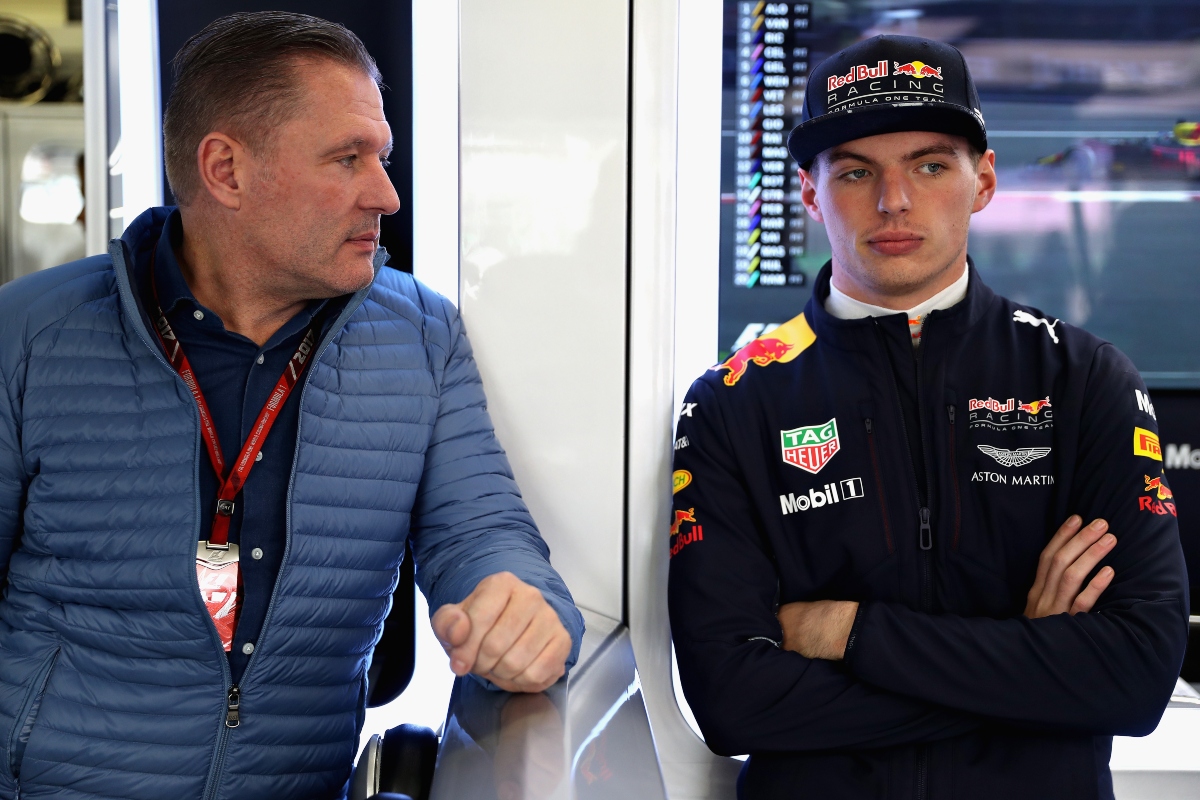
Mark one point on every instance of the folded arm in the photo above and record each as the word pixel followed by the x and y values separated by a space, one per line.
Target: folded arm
pixel 1107 672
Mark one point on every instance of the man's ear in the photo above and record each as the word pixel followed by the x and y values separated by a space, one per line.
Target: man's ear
pixel 985 181
pixel 808 194
pixel 223 162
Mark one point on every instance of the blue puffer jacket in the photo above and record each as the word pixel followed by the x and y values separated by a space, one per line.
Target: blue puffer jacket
pixel 112 679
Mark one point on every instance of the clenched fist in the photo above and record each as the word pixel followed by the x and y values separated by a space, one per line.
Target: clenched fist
pixel 506 632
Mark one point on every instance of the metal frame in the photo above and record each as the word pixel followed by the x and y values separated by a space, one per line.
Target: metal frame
pixel 95 126
pixel 436 147
pixel 689 769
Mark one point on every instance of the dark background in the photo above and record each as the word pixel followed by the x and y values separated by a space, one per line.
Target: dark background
pixel 385 27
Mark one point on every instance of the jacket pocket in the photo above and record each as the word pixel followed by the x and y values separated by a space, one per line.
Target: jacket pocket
pixel 27 715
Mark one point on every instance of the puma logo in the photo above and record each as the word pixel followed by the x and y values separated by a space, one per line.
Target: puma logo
pixel 1025 316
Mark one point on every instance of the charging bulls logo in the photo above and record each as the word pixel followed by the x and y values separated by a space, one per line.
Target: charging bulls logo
pixel 1033 408
pixel 916 69
pixel 680 538
pixel 780 345
pixel 1157 486
pixel 1158 498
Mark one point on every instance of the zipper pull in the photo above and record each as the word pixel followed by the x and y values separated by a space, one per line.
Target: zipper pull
pixel 926 531
pixel 950 411
pixel 870 426
pixel 232 714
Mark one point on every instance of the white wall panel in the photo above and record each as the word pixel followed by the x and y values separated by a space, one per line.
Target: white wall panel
pixel 543 115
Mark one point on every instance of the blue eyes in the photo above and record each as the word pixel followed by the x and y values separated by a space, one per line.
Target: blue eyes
pixel 854 175
pixel 348 161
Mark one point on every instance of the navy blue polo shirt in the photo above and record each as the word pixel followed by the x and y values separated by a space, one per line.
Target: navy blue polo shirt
pixel 237 376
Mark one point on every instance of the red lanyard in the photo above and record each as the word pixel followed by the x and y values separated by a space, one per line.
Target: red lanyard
pixel 232 483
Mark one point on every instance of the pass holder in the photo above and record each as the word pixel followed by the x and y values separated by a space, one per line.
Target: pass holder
pixel 216 558
pixel 217 574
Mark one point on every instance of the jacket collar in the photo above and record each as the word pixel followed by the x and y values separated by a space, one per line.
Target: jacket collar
pixel 858 334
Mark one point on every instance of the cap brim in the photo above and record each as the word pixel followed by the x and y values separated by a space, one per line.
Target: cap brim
pixel 818 135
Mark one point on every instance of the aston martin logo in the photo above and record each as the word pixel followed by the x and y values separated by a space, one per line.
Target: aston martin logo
pixel 1015 458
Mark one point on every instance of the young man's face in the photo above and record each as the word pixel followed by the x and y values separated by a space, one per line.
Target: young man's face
pixel 896 208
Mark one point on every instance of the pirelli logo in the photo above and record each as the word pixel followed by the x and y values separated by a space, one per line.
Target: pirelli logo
pixel 1145 443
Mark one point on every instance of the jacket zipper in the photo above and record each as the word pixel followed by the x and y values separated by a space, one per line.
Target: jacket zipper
pixel 923 772
pixel 926 529
pixel 887 525
pixel 233 693
pixel 233 698
pixel 954 480
pixel 926 535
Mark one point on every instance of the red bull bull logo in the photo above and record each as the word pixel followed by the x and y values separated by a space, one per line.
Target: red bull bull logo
pixel 917 69
pixel 1037 405
pixel 682 517
pixel 1160 504
pixel 780 345
pixel 1161 489
pixel 682 540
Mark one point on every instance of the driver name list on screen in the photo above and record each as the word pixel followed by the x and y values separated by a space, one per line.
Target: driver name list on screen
pixel 771 67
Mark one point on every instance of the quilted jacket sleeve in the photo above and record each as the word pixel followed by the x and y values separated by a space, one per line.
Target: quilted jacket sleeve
pixel 469 520
pixel 12 473
pixel 1110 671
pixel 748 695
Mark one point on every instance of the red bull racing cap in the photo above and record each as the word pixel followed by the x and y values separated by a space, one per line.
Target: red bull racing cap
pixel 887 84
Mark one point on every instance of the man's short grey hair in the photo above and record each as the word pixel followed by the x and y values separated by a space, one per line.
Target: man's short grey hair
pixel 238 76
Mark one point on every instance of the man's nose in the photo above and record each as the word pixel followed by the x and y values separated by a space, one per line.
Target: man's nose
pixel 893 194
pixel 381 195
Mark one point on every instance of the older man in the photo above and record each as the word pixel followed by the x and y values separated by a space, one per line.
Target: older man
pixel 867 591
pixel 215 440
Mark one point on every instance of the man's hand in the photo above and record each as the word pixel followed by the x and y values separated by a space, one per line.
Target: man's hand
pixel 819 629
pixel 504 631
pixel 1064 564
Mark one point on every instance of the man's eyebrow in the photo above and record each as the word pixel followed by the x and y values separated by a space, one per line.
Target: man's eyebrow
pixel 355 143
pixel 841 154
pixel 941 149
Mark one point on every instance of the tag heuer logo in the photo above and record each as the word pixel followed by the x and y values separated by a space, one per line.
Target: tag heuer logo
pixel 810 448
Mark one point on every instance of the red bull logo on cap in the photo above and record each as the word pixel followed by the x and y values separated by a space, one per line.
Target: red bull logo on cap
pixel 917 69
pixel 779 345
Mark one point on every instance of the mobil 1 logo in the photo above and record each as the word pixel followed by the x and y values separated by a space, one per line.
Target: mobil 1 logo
pixel 830 493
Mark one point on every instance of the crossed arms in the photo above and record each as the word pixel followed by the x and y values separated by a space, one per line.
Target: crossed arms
pixel 910 677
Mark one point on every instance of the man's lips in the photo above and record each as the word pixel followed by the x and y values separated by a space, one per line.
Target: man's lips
pixel 364 239
pixel 895 244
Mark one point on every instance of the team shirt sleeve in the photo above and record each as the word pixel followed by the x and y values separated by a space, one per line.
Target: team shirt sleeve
pixel 747 694
pixel 12 476
pixel 1106 672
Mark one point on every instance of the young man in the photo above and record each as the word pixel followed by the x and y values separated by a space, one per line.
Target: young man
pixel 868 593
pixel 242 374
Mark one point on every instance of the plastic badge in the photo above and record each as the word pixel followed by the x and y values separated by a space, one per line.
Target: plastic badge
pixel 217 574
